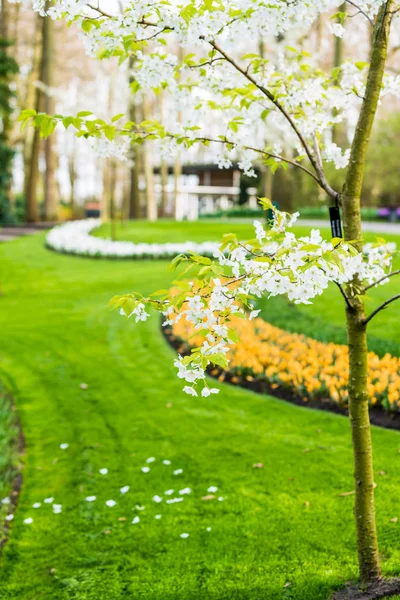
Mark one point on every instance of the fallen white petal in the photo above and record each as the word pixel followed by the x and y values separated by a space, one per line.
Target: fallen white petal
pixel 135 520
pixel 169 492
pixel 220 498
pixel 28 521
pixel 9 517
pixel 166 462
pixel 103 471
pixel 90 498
pixel 139 507
pixel 184 535
pixel 185 491
pixel 150 460
pixel 48 500
pixel 158 517
pixel 37 505
pixel 124 489
pixel 145 469
pixel 212 489
pixel 208 529
pixel 157 499
pixel 174 500
pixel 64 446
pixel 6 500
pixel 178 471
pixel 111 503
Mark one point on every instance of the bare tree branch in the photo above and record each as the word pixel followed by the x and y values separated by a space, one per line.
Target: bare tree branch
pixel 320 176
pixel 346 298
pixel 360 11
pixel 371 285
pixel 381 307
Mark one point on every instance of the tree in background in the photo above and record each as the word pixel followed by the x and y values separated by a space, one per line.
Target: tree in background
pixel 8 69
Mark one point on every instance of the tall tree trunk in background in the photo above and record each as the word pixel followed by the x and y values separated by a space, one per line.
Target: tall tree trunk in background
pixel 29 102
pixel 47 77
pixel 178 164
pixel 338 132
pixel 367 543
pixel 163 168
pixel 112 200
pixel 134 193
pixel 266 173
pixel 164 186
pixel 72 181
pixel 32 175
pixel 9 69
pixel 151 204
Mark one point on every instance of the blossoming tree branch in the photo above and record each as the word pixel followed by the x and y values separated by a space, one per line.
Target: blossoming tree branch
pixel 276 106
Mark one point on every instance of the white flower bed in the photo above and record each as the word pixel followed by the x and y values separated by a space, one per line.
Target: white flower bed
pixel 74 238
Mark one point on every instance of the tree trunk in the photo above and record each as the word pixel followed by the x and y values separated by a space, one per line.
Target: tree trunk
pixel 29 102
pixel 163 166
pixel 113 208
pixel 178 164
pixel 338 131
pixel 164 184
pixel 72 181
pixel 367 543
pixel 134 193
pixel 32 177
pixel 151 205
pixel 47 69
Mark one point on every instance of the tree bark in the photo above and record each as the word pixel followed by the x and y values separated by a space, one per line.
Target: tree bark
pixel 29 102
pixel 151 205
pixel 338 133
pixel 164 184
pixel 367 543
pixel 134 193
pixel 47 70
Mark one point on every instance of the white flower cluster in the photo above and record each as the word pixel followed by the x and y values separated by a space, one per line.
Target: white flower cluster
pixel 118 149
pixel 278 263
pixel 336 155
pixel 377 262
pixel 74 238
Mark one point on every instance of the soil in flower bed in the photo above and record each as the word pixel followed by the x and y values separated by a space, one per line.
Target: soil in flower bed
pixel 385 588
pixel 378 415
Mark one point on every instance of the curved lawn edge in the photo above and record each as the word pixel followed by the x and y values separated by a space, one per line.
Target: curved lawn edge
pixel 378 415
pixel 74 238
pixel 12 447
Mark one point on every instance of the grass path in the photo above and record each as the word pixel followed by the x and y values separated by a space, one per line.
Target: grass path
pixel 284 523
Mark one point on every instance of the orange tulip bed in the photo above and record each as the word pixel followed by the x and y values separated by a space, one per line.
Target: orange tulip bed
pixel 296 367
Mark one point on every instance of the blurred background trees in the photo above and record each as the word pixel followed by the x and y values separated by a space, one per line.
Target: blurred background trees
pixel 43 66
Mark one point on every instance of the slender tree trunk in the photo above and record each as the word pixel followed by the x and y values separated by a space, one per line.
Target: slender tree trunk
pixel 50 186
pixel 356 330
pixel 178 164
pixel 29 102
pixel 6 110
pixel 151 204
pixel 134 193
pixel 164 184
pixel 338 133
pixel 72 182
pixel 113 208
pixel 163 167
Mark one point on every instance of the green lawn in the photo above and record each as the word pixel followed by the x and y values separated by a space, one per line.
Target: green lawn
pixel 284 523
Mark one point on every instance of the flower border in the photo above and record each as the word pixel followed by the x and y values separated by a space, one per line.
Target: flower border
pixel 74 238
